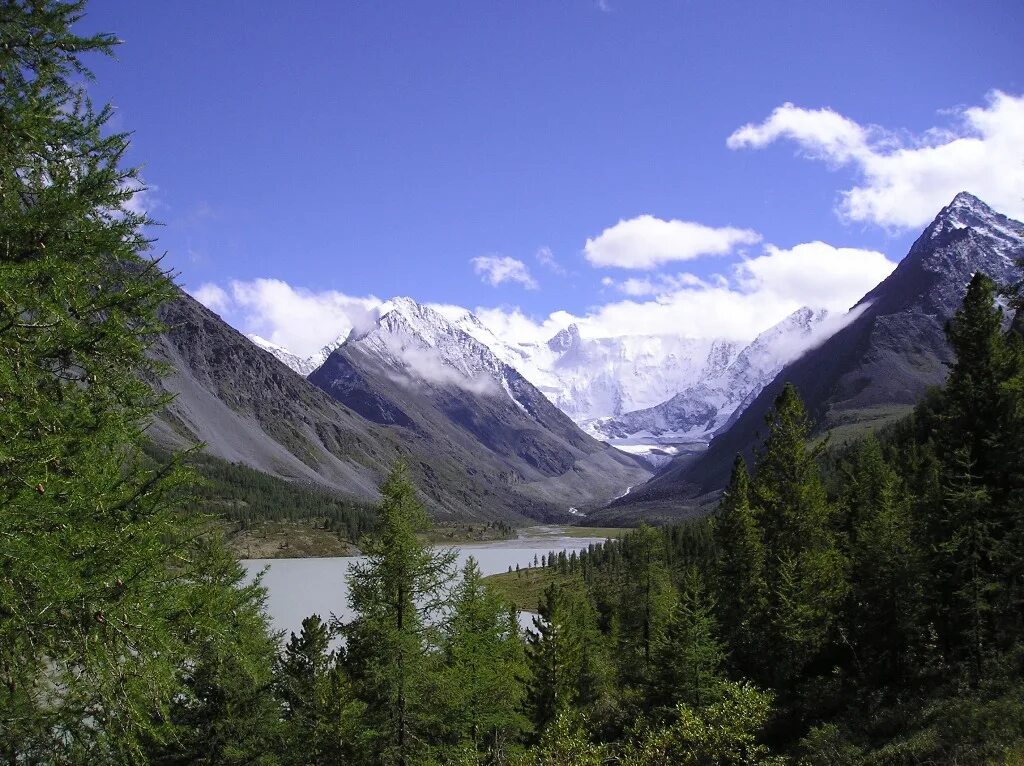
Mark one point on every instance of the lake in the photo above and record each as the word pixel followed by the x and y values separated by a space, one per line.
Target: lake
pixel 297 588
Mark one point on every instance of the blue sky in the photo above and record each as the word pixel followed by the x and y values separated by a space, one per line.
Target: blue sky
pixel 359 150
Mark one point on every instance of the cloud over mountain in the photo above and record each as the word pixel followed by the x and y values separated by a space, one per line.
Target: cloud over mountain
pixel 647 242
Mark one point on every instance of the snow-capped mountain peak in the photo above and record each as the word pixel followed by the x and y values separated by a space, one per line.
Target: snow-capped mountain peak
pixel 419 343
pixel 565 340
pixel 294 361
pixel 968 212
pixel 697 412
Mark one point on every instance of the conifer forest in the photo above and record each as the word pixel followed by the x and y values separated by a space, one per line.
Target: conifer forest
pixel 845 603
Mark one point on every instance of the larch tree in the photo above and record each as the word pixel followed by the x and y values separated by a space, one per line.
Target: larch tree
pixel 392 644
pixel 100 576
pixel 484 669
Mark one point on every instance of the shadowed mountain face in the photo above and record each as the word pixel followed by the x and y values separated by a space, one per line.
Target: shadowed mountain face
pixel 248 407
pixel 875 368
pixel 420 374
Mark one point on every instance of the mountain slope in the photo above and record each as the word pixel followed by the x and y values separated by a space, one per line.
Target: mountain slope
pixel 293 361
pixel 248 407
pixel 702 410
pixel 420 374
pixel 878 366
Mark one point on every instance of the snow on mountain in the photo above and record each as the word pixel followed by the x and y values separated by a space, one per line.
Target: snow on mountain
pixel 642 393
pixel 296 362
pixel 589 378
pixel 416 370
pixel 691 417
pixel 423 344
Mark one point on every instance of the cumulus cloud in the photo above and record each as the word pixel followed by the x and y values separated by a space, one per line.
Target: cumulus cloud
pixel 212 296
pixel 656 285
pixel 647 242
pixel 751 297
pixel 904 180
pixel 755 295
pixel 815 273
pixel 495 269
pixel 302 321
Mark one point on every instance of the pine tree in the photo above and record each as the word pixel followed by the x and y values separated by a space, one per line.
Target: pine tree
pixel 973 397
pixel 976 534
pixel 98 607
pixel 885 570
pixel 646 599
pixel 224 711
pixel 688 657
pixel 567 656
pixel 396 595
pixel 320 715
pixel 483 677
pixel 740 580
pixel 804 568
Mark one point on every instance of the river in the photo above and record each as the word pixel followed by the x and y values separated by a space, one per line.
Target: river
pixel 297 588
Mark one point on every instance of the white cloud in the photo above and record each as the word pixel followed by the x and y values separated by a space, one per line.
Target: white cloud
pixel 547 259
pixel 905 181
pixel 302 321
pixel 495 269
pixel 658 284
pixel 815 273
pixel 757 294
pixel 212 296
pixel 646 242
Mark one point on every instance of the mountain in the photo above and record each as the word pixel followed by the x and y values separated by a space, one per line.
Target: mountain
pixel 423 376
pixel 879 365
pixel 248 407
pixel 303 366
pixel 590 378
pixel 697 413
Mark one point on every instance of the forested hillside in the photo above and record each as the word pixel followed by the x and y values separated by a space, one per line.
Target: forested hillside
pixel 855 607
pixel 851 607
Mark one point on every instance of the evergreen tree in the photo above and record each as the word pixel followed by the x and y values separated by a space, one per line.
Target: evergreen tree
pixel 224 712
pixel 688 657
pixel 804 568
pixel 740 572
pixel 567 656
pixel 396 595
pixel 646 599
pixel 973 410
pixel 319 712
pixel 99 612
pixel 484 669
pixel 886 570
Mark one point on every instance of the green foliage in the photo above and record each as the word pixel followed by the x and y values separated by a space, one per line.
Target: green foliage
pixel 242 494
pixel 568 657
pixel 646 600
pixel 110 610
pixel 394 594
pixel 321 716
pixel 225 712
pixel 688 657
pixel 566 742
pixel 484 669
pixel 804 570
pixel 724 733
pixel 740 571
